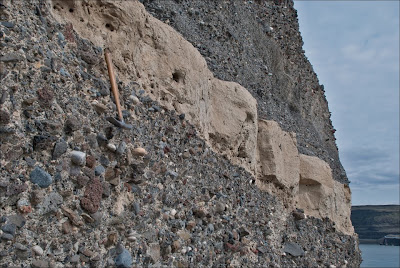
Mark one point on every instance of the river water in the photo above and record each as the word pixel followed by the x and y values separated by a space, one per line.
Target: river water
pixel 380 256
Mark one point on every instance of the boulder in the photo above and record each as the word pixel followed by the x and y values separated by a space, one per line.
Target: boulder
pixel 321 196
pixel 277 156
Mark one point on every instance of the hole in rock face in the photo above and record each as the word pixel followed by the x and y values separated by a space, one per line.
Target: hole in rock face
pixel 71 10
pixel 110 27
pixel 177 76
pixel 249 117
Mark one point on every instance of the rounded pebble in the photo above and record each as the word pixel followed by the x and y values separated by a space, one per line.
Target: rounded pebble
pixel 135 100
pixel 111 147
pixel 78 158
pixel 38 250
pixel 124 259
pixel 139 151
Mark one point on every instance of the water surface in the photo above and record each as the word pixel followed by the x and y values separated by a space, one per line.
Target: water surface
pixel 380 256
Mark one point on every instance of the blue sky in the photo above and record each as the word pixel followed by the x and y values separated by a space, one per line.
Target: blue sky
pixel 354 49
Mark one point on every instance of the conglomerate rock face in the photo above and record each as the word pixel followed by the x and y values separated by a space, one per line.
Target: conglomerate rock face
pixel 258 45
pixel 77 191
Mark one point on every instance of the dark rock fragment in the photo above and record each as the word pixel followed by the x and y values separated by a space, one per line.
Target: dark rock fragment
pixel 106 189
pixel 99 170
pixel 92 197
pixel 243 232
pixel 46 96
pixel 40 264
pixel 7 237
pixel 136 208
pixel 60 148
pixel 121 148
pixel 82 181
pixel 9 228
pixel 16 188
pixel 101 86
pixel 8 24
pixel 41 177
pixel 104 160
pixel 12 57
pixel 124 259
pixel 101 140
pixel 293 249
pixel 37 197
pixel 262 249
pixel 43 141
pixel 21 251
pixel 90 161
pixel 109 131
pixel 298 215
pixel 72 124
pixel 3 97
pixel 89 57
pixel 6 130
pixel 4 117
pixel 16 219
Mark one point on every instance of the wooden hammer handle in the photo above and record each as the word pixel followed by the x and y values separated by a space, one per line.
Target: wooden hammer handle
pixel 114 86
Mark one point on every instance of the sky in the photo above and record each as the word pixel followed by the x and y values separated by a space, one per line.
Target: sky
pixel 354 49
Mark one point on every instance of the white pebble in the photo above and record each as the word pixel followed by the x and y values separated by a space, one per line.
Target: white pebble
pixel 111 147
pixel 139 151
pixel 132 238
pixel 76 247
pixel 38 250
pixel 78 158
pixel 173 212
pixel 134 99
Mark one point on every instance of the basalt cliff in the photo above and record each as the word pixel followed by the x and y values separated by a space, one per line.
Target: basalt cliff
pixel 231 160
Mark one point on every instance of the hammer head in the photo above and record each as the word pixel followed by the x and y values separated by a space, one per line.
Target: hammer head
pixel 120 124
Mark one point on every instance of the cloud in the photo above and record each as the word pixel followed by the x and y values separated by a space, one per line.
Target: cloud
pixel 359 53
pixel 383 194
pixel 354 51
pixel 367 158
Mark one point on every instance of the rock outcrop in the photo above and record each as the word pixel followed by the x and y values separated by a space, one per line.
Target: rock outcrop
pixel 277 155
pixel 178 188
pixel 301 181
pixel 258 45
pixel 321 196
pixel 224 112
pixel 277 161
pixel 172 71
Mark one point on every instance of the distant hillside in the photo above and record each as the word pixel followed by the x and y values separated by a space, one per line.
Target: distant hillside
pixel 374 222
